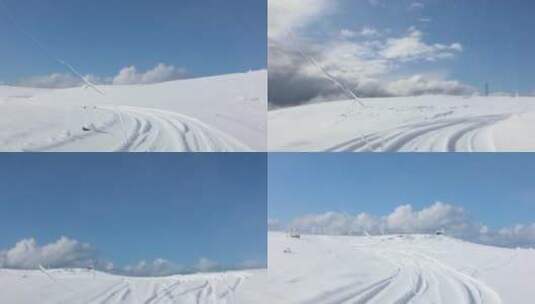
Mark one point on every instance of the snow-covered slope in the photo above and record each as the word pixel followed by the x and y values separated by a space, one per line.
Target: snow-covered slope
pixel 220 113
pixel 90 287
pixel 392 269
pixel 313 269
pixel 422 124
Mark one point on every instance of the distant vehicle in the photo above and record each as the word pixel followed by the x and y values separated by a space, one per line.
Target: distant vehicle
pixel 440 232
pixel 294 234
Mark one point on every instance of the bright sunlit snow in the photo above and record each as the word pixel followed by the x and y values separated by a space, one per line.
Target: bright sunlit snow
pixel 311 269
pixel 220 113
pixel 411 124
pixel 88 286
pixel 391 269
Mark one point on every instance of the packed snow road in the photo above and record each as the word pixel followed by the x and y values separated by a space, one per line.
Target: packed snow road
pixel 392 269
pixel 407 124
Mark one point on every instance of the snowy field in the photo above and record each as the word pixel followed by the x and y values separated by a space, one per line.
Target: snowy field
pixel 313 269
pixel 408 124
pixel 220 113
pixel 90 287
pixel 392 269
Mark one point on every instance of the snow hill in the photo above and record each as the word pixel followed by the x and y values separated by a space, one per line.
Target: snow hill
pixel 313 269
pixel 220 113
pixel 412 124
pixel 392 269
pixel 73 286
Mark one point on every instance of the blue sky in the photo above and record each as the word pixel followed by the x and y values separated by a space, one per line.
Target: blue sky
pixel 206 37
pixel 400 48
pixel 495 189
pixel 180 207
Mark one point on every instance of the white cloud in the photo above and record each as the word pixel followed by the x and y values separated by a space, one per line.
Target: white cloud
pixel 345 33
pixel 70 253
pixel 206 264
pixel 405 219
pixel 369 66
pixel 65 252
pixel 288 16
pixel 162 267
pixel 364 32
pixel 416 6
pixel 369 32
pixel 368 60
pixel 128 75
pixel 161 72
pixel 158 267
pixel 55 80
pixel 412 48
pixel 422 84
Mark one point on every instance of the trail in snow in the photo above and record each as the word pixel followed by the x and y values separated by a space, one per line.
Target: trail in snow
pixel 147 130
pixel 407 124
pixel 110 289
pixel 398 269
pixel 213 114
pixel 418 279
pixel 447 135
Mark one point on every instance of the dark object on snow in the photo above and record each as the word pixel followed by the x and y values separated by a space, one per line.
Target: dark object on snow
pixel 439 233
pixel 86 129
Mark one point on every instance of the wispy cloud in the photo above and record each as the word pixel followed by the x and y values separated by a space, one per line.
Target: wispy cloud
pixel 416 6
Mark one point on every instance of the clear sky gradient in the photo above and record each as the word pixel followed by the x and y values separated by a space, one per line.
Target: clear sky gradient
pixel 206 37
pixel 497 39
pixel 496 189
pixel 179 207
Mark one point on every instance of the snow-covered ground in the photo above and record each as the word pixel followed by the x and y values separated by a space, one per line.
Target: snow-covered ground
pixel 422 124
pixel 392 269
pixel 91 287
pixel 312 269
pixel 220 113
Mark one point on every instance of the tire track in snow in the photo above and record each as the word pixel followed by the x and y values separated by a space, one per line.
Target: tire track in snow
pixel 353 293
pixel 175 132
pixel 419 278
pixel 217 288
pixel 449 135
pixel 423 279
pixel 146 130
